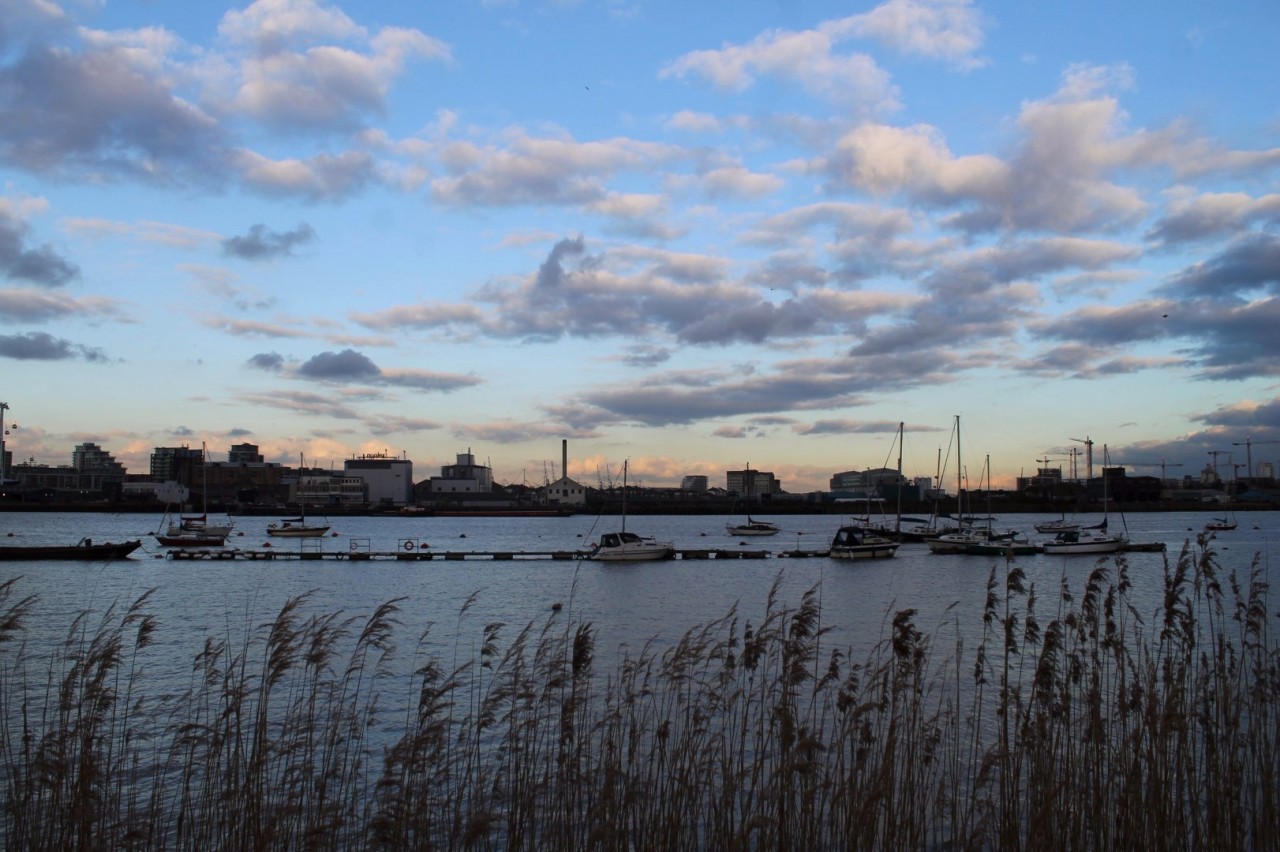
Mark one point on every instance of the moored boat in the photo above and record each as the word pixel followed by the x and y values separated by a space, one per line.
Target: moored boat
pixel 1090 540
pixel 962 540
pixel 85 550
pixel 853 542
pixel 623 546
pixel 296 528
pixel 1084 542
pixel 1018 546
pixel 1221 525
pixel 752 527
pixel 1055 527
pixel 190 538
pixel 628 547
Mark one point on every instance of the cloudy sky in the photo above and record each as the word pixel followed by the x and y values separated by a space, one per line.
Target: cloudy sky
pixel 664 231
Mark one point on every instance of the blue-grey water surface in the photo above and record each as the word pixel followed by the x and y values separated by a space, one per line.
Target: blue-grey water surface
pixel 628 603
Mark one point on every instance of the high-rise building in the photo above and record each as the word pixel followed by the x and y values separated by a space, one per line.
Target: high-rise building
pixel 694 482
pixel 176 464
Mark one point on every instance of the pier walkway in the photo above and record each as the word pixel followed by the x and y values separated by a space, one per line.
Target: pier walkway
pixel 410 550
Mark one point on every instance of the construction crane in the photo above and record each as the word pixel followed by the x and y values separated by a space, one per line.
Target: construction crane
pixel 1088 454
pixel 1215 454
pixel 1162 464
pixel 1248 452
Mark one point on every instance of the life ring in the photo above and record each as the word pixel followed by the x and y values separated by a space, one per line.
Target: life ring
pixel 408 545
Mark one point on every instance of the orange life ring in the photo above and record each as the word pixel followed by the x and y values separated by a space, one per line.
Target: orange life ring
pixel 408 545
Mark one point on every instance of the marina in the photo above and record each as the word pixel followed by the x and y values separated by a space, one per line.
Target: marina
pixel 364 554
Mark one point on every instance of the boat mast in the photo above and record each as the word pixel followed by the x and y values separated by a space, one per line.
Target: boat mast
pixel 959 476
pixel 624 494
pixel 898 523
pixel 4 406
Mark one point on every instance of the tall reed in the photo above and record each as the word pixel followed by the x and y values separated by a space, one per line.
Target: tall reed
pixel 1075 722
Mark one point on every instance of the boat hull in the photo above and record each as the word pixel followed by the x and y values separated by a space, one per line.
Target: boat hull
pixel 995 548
pixel 865 551
pixel 85 550
pixel 1053 527
pixel 1072 548
pixel 629 547
pixel 857 543
pixel 190 540
pixel 638 554
pixel 296 532
pixel 754 530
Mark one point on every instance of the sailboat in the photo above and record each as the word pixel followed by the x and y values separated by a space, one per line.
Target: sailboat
pixel 1092 539
pixel 905 529
pixel 1222 524
pixel 194 530
pixel 751 526
pixel 298 527
pixel 1060 525
pixel 623 546
pixel 974 539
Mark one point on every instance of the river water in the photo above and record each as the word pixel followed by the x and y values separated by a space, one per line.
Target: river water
pixel 628 604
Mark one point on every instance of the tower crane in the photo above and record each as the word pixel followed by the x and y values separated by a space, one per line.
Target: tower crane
pixel 1215 454
pixel 1248 452
pixel 1088 454
pixel 1162 464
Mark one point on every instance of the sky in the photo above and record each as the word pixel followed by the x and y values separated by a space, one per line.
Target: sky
pixel 666 232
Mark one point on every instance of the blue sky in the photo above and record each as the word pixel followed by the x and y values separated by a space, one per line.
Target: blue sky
pixel 664 231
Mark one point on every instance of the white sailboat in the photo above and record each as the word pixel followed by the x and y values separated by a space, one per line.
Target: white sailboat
pixel 1088 541
pixel 298 527
pixel 194 530
pixel 751 527
pixel 623 546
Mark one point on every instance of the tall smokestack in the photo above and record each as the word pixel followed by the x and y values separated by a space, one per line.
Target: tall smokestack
pixel 564 458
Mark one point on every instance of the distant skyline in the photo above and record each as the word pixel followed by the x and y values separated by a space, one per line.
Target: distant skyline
pixel 677 234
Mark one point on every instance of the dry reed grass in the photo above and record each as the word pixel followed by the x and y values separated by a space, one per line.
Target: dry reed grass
pixel 1072 725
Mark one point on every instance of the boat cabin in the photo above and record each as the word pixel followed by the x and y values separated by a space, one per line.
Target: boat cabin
pixel 618 539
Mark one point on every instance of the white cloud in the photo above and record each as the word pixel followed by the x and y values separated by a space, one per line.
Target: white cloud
pixel 938 29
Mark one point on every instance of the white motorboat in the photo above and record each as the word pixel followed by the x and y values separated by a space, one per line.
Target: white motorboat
pixel 623 546
pixel 1084 541
pixel 628 547
pixel 855 542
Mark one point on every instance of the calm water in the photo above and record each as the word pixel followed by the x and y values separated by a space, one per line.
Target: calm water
pixel 628 604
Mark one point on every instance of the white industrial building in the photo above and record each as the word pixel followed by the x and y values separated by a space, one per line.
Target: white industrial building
pixel 388 479
pixel 564 491
pixel 464 477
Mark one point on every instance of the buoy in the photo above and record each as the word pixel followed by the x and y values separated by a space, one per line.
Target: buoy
pixel 556 607
pixel 463 535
